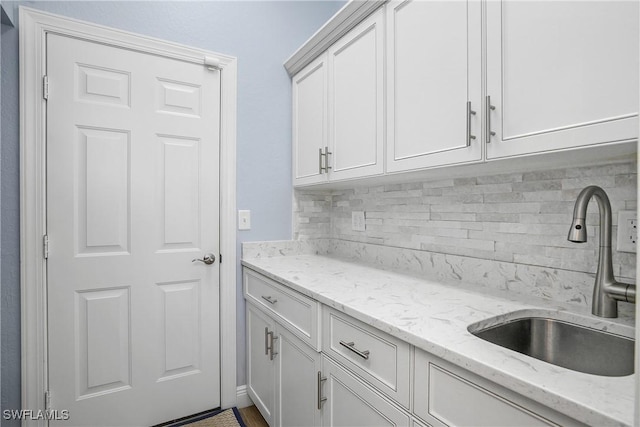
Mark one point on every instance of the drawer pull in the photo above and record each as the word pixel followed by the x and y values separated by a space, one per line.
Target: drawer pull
pixel 351 346
pixel 269 299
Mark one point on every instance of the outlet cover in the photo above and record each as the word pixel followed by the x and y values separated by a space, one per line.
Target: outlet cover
pixel 627 231
pixel 357 221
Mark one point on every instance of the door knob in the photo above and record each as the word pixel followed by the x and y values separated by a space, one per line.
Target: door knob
pixel 208 259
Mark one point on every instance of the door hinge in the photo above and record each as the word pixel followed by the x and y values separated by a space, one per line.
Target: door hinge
pixel 45 246
pixel 47 400
pixel 45 87
pixel 220 258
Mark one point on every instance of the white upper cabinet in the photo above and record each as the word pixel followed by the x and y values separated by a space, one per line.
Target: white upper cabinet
pixel 561 74
pixel 338 108
pixel 420 84
pixel 433 83
pixel 356 96
pixel 310 122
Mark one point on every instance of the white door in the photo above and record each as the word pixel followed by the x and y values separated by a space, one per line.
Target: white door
pixel 356 101
pixel 434 51
pixel 561 74
pixel 309 88
pixel 132 198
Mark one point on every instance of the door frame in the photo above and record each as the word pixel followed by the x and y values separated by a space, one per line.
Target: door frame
pixel 34 26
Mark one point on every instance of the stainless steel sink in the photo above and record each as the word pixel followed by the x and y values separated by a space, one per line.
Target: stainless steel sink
pixel 564 344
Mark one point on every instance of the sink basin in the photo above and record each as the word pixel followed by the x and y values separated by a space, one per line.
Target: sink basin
pixel 564 344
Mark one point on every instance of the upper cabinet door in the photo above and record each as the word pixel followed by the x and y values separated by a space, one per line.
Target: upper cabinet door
pixel 434 83
pixel 561 74
pixel 310 122
pixel 356 97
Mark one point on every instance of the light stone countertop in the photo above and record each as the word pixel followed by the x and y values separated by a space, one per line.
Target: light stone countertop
pixel 434 317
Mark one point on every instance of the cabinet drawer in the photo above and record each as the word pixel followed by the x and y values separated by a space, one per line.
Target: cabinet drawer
pixel 446 395
pixel 379 358
pixel 298 313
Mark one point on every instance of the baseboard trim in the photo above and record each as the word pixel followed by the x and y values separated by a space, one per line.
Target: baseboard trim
pixel 242 397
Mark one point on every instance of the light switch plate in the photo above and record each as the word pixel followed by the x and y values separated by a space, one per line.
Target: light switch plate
pixel 627 231
pixel 244 220
pixel 357 221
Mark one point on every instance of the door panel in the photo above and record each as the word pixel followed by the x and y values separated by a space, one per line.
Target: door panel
pixel 103 184
pixel 103 339
pixel 132 199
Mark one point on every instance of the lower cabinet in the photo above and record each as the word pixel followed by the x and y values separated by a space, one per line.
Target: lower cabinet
pixel 261 373
pixel 363 377
pixel 297 367
pixel 282 373
pixel 447 395
pixel 350 402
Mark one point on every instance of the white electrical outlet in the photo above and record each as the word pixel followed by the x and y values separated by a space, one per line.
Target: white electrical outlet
pixel 627 231
pixel 244 220
pixel 357 221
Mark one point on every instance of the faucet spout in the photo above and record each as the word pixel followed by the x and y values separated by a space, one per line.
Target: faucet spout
pixel 607 291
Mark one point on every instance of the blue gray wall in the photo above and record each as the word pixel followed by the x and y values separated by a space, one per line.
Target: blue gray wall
pixel 262 35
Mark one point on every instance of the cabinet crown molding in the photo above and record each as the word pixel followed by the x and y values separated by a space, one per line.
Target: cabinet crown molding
pixel 344 20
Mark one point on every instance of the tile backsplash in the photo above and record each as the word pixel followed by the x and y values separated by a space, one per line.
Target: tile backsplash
pixel 521 218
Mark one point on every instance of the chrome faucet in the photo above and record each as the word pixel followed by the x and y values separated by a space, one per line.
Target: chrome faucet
pixel 606 292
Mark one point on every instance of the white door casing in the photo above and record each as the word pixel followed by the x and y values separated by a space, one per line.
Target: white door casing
pixel 34 28
pixel 132 198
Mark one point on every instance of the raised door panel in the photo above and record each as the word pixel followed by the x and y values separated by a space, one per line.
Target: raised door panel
pixel 356 96
pixel 261 380
pixel 561 74
pixel 434 71
pixel 297 367
pixel 351 403
pixel 309 122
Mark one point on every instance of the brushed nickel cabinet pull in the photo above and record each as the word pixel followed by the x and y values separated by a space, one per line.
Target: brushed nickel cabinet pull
pixel 470 113
pixel 351 346
pixel 269 299
pixel 272 353
pixel 326 159
pixel 326 167
pixel 489 109
pixel 321 399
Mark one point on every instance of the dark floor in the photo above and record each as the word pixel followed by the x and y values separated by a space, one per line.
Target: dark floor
pixel 251 417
